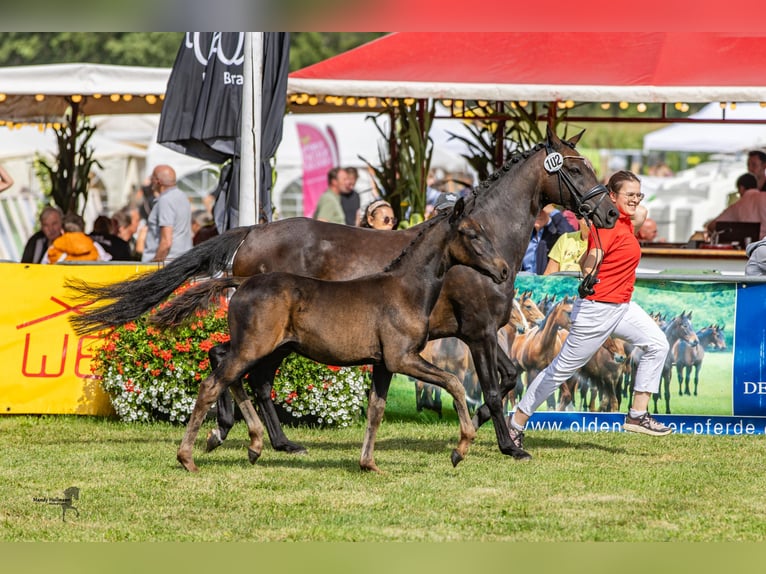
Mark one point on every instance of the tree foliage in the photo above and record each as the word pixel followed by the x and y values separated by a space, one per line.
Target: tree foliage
pixel 150 48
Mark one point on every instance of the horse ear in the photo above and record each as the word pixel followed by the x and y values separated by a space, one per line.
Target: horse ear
pixel 550 135
pixel 576 138
pixel 457 211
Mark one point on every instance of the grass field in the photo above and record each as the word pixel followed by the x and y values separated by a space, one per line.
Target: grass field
pixel 578 487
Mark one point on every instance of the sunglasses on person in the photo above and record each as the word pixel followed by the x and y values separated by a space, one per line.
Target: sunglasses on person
pixel 633 196
pixel 388 219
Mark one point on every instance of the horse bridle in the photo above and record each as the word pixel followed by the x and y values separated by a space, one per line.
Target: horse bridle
pixel 553 163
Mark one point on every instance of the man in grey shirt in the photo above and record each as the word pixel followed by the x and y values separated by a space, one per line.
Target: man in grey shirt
pixel 169 223
pixel 756 263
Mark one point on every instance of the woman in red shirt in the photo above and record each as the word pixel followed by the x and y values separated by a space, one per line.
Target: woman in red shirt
pixel 603 309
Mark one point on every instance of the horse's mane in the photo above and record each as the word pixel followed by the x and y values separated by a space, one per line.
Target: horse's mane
pixel 480 190
pixel 517 157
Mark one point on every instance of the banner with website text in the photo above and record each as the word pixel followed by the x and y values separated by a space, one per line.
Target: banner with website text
pixel 713 382
pixel 46 366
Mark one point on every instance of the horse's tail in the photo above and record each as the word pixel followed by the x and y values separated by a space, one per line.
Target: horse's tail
pixel 197 297
pixel 134 297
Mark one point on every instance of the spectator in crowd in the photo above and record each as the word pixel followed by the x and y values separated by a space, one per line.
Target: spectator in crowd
pixel 73 244
pixel 756 165
pixel 203 226
pixel 51 226
pixel 756 262
pixel 567 252
pixel 103 234
pixel 349 197
pixel 378 215
pixel 750 207
pixel 168 232
pixel 125 223
pixel 647 233
pixel 6 180
pixel 329 207
pixel 549 225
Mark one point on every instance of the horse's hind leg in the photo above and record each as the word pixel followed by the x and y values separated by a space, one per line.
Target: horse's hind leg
pixel 261 381
pixel 224 404
pixel 254 425
pixel 376 405
pixel 209 390
pixel 416 366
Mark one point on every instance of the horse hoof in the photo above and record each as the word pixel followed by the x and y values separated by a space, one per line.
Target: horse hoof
pixel 456 457
pixel 292 448
pixel 253 456
pixel 214 440
pixel 521 454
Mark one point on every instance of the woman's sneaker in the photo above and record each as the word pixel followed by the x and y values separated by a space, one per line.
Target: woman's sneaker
pixel 645 424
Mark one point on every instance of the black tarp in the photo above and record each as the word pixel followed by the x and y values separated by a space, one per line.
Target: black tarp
pixel 201 115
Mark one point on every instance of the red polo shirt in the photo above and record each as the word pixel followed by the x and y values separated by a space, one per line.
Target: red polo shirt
pixel 622 254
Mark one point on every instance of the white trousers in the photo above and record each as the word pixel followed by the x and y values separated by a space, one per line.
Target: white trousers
pixel 592 323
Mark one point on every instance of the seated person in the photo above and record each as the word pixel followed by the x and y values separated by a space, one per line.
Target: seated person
pixel 756 262
pixel 647 233
pixel 51 219
pixel 102 234
pixel 566 253
pixel 550 224
pixel 750 207
pixel 74 245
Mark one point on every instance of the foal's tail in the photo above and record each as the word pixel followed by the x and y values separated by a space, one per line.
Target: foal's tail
pixel 197 297
pixel 134 297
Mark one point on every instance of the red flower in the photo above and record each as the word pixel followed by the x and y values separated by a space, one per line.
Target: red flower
pixel 206 345
pixel 130 326
pixel 333 369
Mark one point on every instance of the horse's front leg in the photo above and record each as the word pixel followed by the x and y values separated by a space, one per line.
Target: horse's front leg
pixel 484 355
pixel 254 425
pixel 416 366
pixel 209 390
pixel 509 382
pixel 376 405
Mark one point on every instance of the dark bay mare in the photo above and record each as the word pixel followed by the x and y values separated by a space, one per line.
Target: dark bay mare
pixel 379 319
pixel 471 306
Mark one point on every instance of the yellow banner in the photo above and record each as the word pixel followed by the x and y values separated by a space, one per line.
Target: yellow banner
pixel 45 365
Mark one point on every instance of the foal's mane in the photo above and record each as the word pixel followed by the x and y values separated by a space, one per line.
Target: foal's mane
pixel 422 228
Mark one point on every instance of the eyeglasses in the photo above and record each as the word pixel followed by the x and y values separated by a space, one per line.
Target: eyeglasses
pixel 634 196
pixel 387 219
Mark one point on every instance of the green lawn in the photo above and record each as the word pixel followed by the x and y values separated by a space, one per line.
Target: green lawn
pixel 578 487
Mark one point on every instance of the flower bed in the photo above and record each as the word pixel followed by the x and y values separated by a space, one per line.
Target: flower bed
pixel 153 375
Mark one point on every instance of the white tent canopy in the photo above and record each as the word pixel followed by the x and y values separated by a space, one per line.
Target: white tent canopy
pixel 713 138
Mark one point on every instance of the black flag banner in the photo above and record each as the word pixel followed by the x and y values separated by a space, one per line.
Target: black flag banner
pixel 201 115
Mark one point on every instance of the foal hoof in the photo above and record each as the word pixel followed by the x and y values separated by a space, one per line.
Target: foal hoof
pixel 188 464
pixel 253 456
pixel 456 458
pixel 214 440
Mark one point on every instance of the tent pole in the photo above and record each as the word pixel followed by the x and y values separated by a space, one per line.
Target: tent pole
pixel 250 129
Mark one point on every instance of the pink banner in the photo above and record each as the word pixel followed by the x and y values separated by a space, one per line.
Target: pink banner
pixel 320 155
